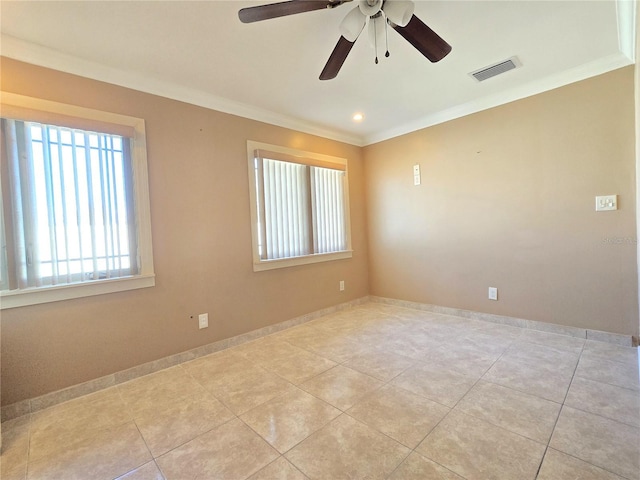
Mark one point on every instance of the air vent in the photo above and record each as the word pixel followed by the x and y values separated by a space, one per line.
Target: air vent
pixel 496 69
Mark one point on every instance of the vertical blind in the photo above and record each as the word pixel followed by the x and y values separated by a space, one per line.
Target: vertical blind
pixel 301 209
pixel 71 205
pixel 328 208
pixel 286 190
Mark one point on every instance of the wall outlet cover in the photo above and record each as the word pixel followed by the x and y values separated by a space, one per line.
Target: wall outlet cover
pixel 606 203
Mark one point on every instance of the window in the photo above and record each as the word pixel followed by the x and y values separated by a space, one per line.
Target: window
pixel 299 206
pixel 75 210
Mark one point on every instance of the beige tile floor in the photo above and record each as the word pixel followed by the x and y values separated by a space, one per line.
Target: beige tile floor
pixel 372 392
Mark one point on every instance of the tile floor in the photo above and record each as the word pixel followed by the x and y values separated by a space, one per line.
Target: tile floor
pixel 372 392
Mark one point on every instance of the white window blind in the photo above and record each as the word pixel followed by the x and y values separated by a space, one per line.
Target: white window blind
pixel 300 207
pixel 72 216
pixel 286 217
pixel 328 208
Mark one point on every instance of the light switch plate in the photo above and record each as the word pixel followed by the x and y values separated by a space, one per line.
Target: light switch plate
pixel 606 203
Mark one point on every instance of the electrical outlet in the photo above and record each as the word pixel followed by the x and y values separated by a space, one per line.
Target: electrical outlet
pixel 342 285
pixel 203 320
pixel 493 293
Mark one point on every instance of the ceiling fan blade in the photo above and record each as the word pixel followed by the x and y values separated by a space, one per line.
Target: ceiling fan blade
pixel 337 58
pixel 281 9
pixel 425 40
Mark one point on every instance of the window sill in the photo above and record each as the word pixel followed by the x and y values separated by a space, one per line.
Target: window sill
pixel 295 261
pixel 34 296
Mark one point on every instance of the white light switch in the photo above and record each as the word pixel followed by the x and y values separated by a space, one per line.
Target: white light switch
pixel 416 174
pixel 606 202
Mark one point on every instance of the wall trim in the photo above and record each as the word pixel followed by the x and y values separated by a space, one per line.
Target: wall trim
pixel 586 333
pixel 42 56
pixel 26 407
pixel 579 73
pixel 28 52
pixel 626 19
pixel 32 405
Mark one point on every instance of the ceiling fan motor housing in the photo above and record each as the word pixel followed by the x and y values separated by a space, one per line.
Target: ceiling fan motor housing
pixel 370 7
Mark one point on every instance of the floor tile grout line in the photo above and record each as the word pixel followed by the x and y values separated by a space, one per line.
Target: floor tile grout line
pixel 148 450
pixel 364 397
pixel 562 405
pixel 577 375
pixel 164 477
pixel 458 402
pixel 610 384
pixel 625 363
pixel 209 392
pixel 26 472
pixel 282 454
pixel 345 412
pixel 388 381
pixel 590 413
pixel 369 301
pixel 441 420
pixel 194 438
pixel 589 463
pixel 411 450
pixel 501 426
pixel 426 458
pixel 603 417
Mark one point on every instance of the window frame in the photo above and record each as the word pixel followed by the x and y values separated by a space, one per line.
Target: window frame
pixel 305 158
pixel 26 106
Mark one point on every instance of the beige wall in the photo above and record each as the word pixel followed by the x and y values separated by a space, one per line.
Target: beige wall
pixel 507 200
pixel 201 242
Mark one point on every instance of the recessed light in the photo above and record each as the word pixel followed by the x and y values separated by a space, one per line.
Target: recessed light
pixel 358 117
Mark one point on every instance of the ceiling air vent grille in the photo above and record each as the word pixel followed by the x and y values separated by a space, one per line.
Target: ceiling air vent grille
pixel 496 69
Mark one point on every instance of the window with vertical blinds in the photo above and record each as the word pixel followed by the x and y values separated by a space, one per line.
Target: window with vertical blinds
pixel 299 207
pixel 73 206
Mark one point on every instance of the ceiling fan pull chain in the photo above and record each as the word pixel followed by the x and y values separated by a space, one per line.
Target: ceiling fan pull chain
pixel 375 38
pixel 386 36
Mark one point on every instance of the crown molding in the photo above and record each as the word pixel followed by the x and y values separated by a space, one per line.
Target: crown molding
pixel 626 20
pixel 576 74
pixel 43 56
pixel 626 15
pixel 17 49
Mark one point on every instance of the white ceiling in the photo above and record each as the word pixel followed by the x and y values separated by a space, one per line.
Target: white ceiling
pixel 201 53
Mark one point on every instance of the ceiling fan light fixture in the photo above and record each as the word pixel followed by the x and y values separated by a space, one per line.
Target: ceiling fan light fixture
pixel 353 24
pixel 398 12
pixel 380 14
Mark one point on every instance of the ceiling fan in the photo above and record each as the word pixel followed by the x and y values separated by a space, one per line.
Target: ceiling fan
pixel 398 14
